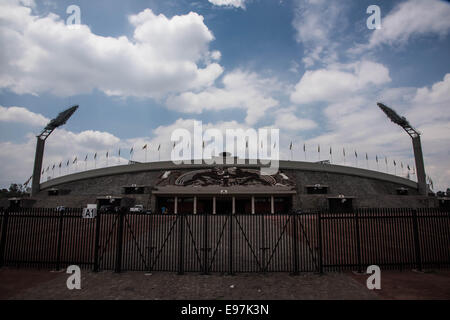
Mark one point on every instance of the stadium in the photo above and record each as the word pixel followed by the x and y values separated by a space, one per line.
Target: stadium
pixel 229 184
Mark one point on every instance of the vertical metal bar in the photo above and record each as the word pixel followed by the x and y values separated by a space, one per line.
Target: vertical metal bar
pixel 60 229
pixel 319 229
pixel 358 240
pixel 416 242
pixel 205 243
pixel 97 241
pixel 263 244
pixel 3 238
pixel 295 239
pixel 230 244
pixel 180 218
pixel 119 242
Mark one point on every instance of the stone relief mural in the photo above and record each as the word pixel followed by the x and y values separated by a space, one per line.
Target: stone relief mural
pixel 225 177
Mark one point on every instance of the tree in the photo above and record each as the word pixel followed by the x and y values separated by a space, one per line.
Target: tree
pixel 15 190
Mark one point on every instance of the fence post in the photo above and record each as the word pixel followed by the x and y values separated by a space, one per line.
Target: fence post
pixel 180 244
pixel 416 241
pixel 319 227
pixel 358 240
pixel 294 245
pixel 3 238
pixel 205 243
pixel 230 244
pixel 121 214
pixel 60 229
pixel 97 241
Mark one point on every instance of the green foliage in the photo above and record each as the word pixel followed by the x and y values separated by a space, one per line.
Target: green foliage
pixel 15 190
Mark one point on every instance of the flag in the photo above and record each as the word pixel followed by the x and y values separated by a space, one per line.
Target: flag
pixel 367 156
pixel 107 153
pixel 356 155
pixel 385 160
pixel 53 168
pixel 67 164
pixel 131 150
pixel 85 158
pixel 318 148
pixel 43 171
pixel 144 147
pixel 408 167
pixel 376 158
pixel 60 164
pixel 159 147
pixel 395 164
pixel 401 165
pixel 331 151
pixel 119 152
pixel 290 146
pixel 304 147
pixel 95 156
pixel 173 145
pixel 47 169
pixel 75 160
pixel 343 151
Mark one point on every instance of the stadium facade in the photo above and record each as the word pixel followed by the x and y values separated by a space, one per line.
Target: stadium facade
pixel 231 188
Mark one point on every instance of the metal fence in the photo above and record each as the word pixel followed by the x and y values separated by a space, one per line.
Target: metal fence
pixel 297 242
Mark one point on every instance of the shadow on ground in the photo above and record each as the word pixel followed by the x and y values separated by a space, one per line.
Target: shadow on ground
pixel 42 284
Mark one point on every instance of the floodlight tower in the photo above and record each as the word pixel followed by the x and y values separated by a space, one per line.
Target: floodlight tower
pixel 417 146
pixel 52 125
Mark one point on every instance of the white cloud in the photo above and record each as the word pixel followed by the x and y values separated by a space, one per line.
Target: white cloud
pixel 315 22
pixel 338 81
pixel 62 146
pixel 229 3
pixel 22 115
pixel 165 55
pixel 411 19
pixel 286 119
pixel 356 123
pixel 243 90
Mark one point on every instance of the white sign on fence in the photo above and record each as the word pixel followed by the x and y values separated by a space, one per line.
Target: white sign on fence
pixel 89 213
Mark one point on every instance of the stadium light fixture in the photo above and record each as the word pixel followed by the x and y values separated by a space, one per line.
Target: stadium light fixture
pixel 60 120
pixel 417 145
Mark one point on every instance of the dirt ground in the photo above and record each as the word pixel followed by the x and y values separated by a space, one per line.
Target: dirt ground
pixel 43 284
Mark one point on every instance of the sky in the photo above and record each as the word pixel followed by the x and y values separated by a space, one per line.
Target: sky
pixel 141 69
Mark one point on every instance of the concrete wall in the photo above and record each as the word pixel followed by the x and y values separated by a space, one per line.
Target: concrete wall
pixel 369 188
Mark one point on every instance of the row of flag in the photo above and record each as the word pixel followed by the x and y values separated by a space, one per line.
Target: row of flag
pixel 145 147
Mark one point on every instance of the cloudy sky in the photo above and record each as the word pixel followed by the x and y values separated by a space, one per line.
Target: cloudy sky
pixel 140 69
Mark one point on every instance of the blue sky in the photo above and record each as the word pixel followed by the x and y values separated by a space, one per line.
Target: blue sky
pixel 140 69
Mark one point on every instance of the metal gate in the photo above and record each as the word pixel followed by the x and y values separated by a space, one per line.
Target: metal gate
pixel 226 243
